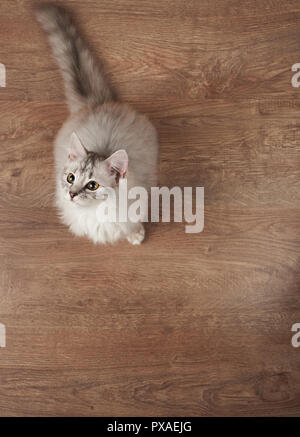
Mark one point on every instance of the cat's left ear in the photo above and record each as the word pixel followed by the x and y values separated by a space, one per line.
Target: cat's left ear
pixel 117 163
pixel 77 150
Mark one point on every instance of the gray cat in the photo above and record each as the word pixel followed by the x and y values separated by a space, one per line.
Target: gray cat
pixel 102 142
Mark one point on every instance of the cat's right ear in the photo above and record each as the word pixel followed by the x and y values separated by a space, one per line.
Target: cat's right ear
pixel 77 150
pixel 117 164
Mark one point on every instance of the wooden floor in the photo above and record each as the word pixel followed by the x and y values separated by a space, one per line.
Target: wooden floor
pixel 189 325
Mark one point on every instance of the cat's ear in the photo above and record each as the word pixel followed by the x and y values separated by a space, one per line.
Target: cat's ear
pixel 77 150
pixel 117 163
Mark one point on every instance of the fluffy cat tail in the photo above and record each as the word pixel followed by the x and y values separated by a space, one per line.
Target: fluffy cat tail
pixel 83 78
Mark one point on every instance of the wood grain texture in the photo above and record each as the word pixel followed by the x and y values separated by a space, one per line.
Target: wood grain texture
pixel 188 325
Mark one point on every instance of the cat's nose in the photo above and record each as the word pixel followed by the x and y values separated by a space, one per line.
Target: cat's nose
pixel 72 195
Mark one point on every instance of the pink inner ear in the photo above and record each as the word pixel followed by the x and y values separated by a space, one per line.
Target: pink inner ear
pixel 118 163
pixel 72 156
pixel 77 150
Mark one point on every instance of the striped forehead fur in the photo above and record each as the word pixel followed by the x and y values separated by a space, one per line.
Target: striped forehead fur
pixel 87 165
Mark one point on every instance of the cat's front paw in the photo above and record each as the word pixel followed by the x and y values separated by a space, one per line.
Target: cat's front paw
pixel 137 237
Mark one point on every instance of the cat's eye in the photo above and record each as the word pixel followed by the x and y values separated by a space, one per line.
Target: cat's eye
pixel 92 185
pixel 70 178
